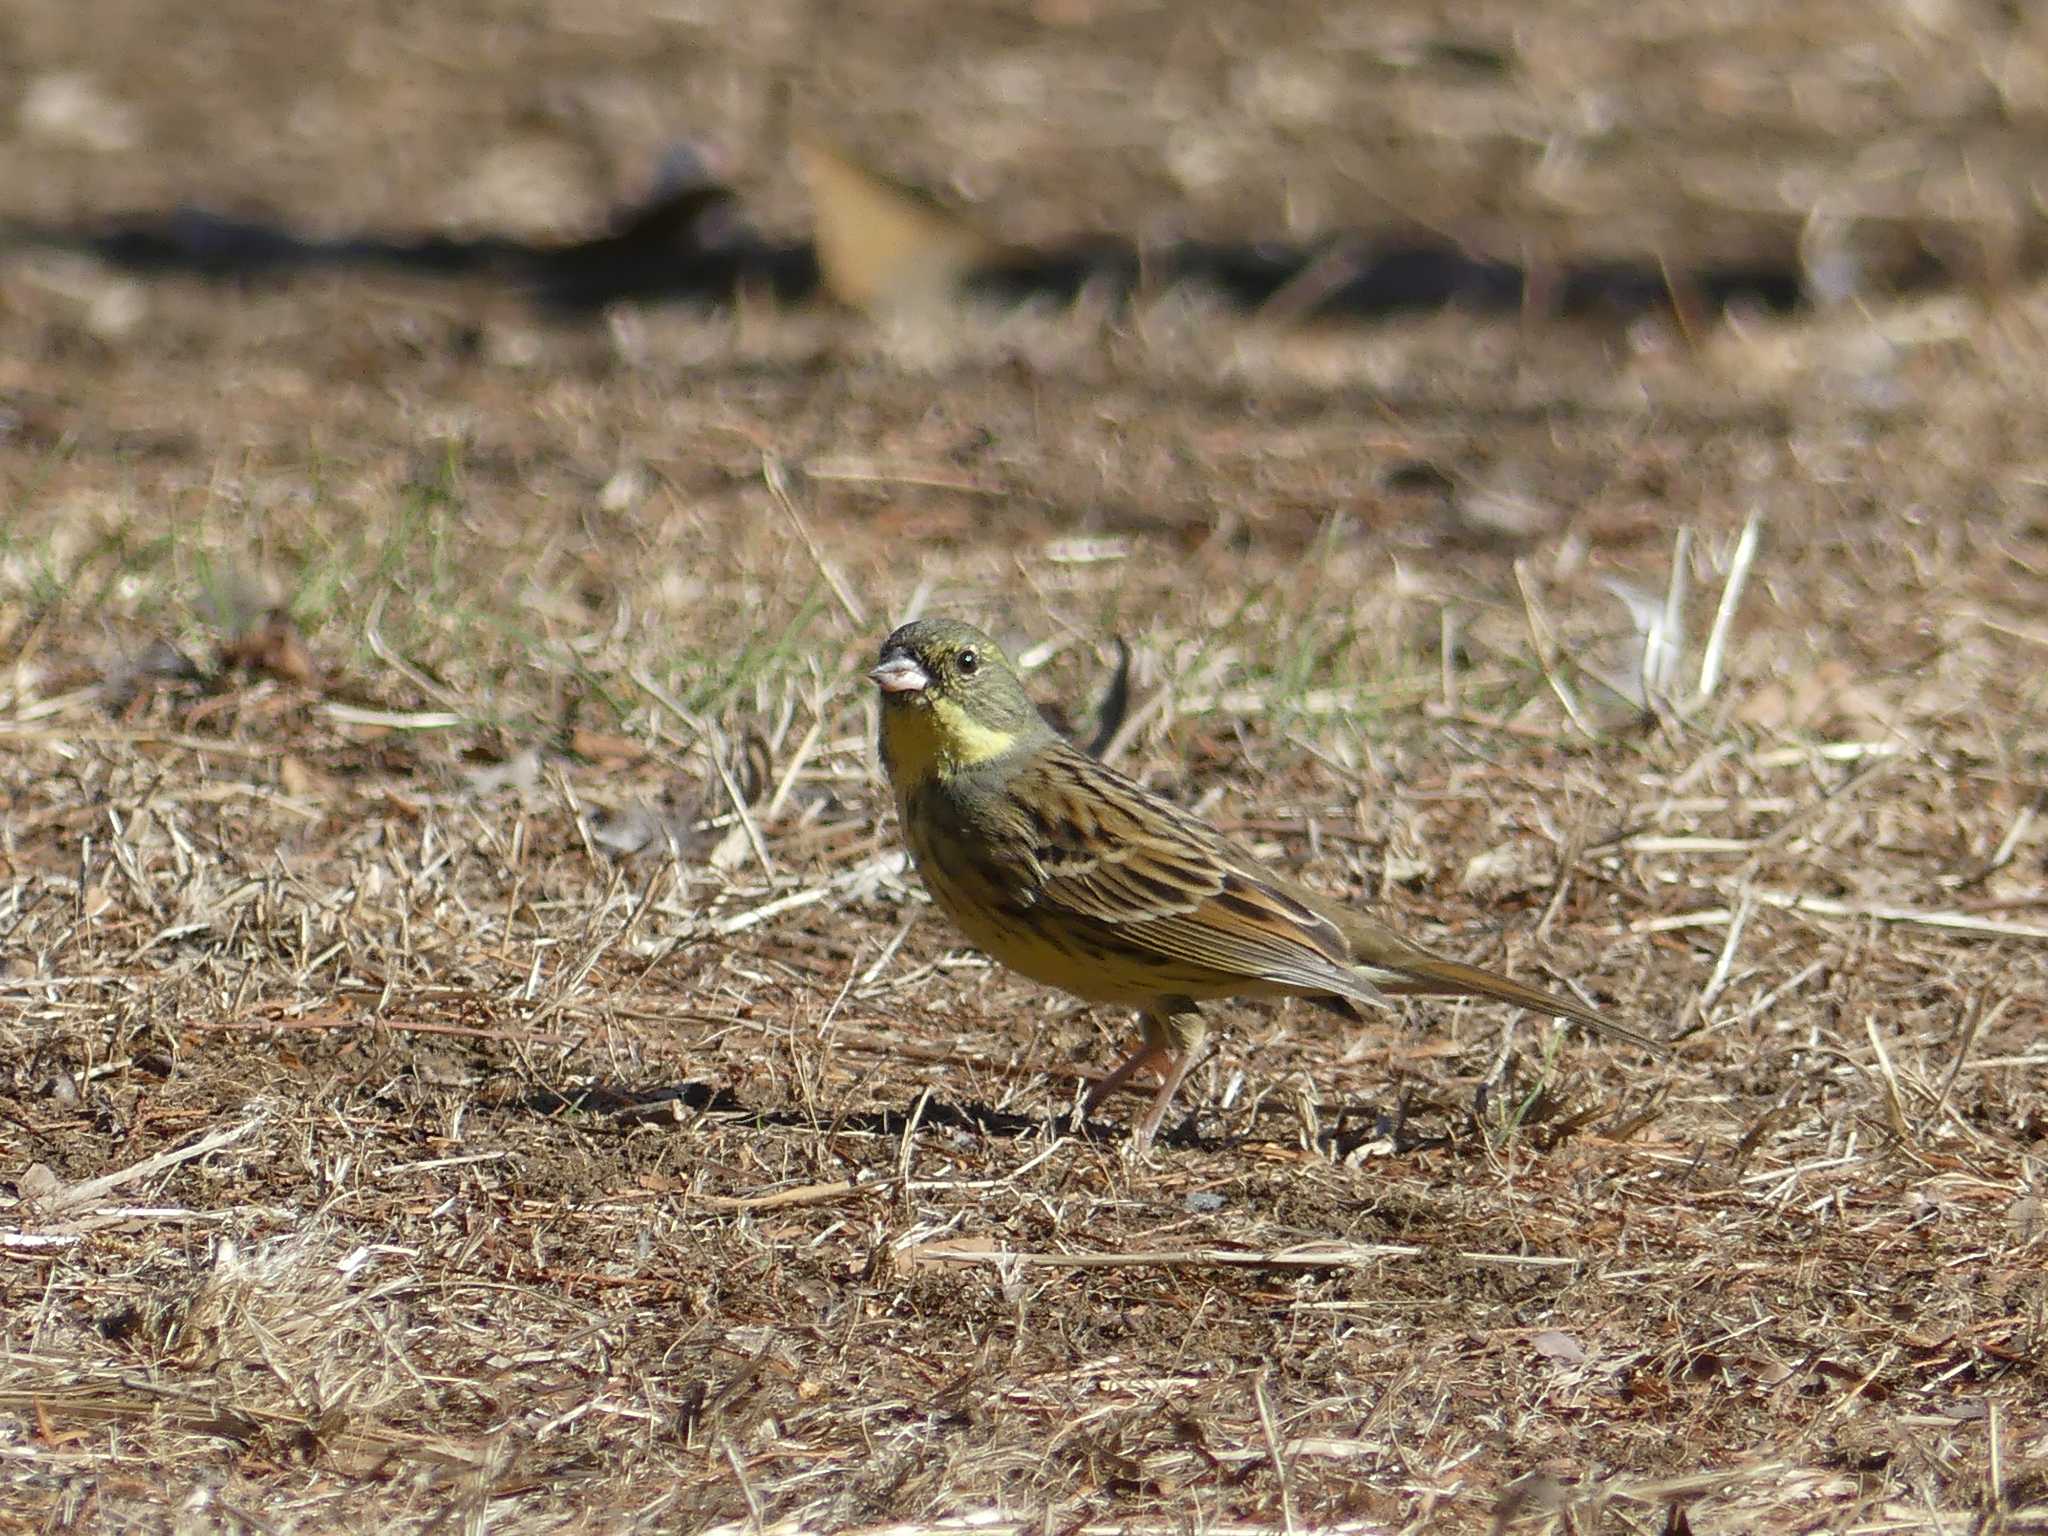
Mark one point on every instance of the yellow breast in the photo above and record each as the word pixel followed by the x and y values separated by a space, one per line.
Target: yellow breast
pixel 1060 949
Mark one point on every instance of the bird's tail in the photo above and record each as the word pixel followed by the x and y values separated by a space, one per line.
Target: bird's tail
pixel 1425 975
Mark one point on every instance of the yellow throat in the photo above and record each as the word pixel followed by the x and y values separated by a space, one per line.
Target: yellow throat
pixel 936 739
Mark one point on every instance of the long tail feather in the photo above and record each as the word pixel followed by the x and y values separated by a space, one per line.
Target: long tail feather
pixel 1426 975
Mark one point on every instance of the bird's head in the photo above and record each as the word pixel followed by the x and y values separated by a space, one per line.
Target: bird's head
pixel 950 700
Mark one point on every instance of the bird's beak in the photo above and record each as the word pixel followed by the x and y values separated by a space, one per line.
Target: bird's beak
pixel 899 674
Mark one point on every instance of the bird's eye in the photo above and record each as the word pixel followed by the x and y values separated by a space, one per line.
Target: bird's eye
pixel 969 663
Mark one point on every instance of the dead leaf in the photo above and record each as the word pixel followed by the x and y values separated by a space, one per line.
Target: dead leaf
pixel 273 648
pixel 1552 1345
pixel 297 780
pixel 2024 1215
pixel 930 1256
pixel 38 1183
pixel 881 244
pixel 608 750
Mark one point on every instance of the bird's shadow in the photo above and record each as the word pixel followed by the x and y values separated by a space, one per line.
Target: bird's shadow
pixel 680 1104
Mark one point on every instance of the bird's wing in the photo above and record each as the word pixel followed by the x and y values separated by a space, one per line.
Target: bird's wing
pixel 1097 847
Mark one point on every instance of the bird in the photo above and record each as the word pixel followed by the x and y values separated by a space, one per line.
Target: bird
pixel 1076 876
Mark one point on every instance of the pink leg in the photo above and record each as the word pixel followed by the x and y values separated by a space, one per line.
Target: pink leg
pixel 1146 1055
pixel 1170 1079
pixel 1173 1034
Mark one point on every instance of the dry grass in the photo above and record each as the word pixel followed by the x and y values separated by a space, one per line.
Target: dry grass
pixel 470 1057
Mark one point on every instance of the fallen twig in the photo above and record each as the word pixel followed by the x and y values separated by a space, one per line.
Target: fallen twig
pixel 1307 1256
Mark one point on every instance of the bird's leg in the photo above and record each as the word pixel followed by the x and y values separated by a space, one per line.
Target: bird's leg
pixel 1173 1033
pixel 1146 1055
pixel 1169 1084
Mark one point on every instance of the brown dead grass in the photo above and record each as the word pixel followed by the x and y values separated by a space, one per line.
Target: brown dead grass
pixel 470 1056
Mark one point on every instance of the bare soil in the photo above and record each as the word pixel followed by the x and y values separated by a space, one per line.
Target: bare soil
pixel 471 1056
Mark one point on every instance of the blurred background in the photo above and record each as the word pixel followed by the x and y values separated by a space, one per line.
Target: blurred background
pixel 1568 126
pixel 435 758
